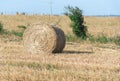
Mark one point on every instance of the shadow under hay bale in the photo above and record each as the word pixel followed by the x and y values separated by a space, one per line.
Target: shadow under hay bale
pixel 43 38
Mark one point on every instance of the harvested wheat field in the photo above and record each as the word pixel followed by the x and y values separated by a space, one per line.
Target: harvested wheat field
pixel 78 62
pixel 96 25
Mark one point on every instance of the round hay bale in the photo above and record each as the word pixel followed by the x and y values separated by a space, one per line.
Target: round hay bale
pixel 43 38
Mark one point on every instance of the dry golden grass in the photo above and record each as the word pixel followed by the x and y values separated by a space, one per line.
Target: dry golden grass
pixel 106 25
pixel 96 25
pixel 78 62
pixel 11 22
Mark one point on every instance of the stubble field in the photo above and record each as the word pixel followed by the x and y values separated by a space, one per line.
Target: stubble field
pixel 79 61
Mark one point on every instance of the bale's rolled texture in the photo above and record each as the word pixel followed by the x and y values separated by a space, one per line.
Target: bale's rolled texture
pixel 43 38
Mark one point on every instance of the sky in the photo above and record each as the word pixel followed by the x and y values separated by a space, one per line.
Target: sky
pixel 89 7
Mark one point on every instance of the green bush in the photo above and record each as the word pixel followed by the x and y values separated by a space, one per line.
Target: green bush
pixel 75 15
pixel 4 31
pixel 1 27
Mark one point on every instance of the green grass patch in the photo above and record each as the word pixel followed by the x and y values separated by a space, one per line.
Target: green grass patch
pixel 91 38
pixel 5 32
pixel 34 65
pixel 50 67
pixel 73 38
pixel 20 34
pixel 21 27
pixel 104 39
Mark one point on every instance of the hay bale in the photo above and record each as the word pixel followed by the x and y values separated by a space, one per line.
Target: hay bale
pixel 43 38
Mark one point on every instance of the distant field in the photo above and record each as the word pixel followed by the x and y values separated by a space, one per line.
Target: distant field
pixel 96 25
pixel 79 61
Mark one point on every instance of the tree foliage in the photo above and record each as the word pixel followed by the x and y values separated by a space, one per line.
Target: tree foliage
pixel 78 27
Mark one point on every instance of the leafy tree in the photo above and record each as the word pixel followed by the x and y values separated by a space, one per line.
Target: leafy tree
pixel 78 27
